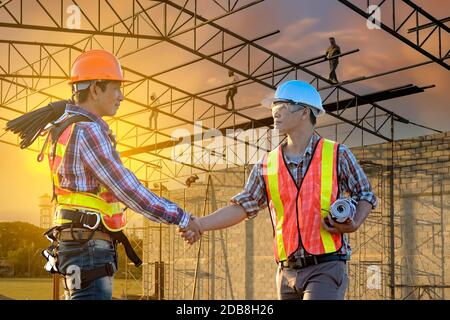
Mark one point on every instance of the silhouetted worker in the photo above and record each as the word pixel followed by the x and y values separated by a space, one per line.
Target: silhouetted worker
pixel 154 113
pixel 191 180
pixel 160 187
pixel 232 89
pixel 333 51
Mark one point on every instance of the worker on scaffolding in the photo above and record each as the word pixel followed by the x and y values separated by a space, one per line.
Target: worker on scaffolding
pixel 332 51
pixel 153 119
pixel 89 180
pixel 232 88
pixel 299 181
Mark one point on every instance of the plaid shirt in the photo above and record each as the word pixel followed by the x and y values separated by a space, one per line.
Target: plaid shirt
pixel 352 180
pixel 91 160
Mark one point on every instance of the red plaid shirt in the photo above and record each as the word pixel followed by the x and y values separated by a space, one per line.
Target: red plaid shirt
pixel 91 160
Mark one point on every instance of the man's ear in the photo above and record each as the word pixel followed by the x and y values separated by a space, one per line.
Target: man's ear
pixel 93 91
pixel 305 115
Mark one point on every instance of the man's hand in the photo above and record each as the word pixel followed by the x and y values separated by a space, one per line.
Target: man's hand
pixel 220 219
pixel 332 226
pixel 193 232
pixel 363 209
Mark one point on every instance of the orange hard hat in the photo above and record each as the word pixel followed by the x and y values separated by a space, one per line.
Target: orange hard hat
pixel 96 65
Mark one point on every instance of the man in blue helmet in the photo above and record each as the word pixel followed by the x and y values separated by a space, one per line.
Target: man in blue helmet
pixel 298 181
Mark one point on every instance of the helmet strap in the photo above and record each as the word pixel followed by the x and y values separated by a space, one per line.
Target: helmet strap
pixel 80 86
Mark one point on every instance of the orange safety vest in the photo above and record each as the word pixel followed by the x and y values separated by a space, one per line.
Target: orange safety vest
pixel 296 212
pixel 104 202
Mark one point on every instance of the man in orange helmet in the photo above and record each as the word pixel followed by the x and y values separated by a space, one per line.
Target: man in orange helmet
pixel 90 183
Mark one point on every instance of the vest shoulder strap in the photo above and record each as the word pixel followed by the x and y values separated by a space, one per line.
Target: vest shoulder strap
pixel 274 151
pixel 58 129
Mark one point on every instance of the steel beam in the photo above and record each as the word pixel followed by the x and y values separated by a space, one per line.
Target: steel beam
pixel 393 29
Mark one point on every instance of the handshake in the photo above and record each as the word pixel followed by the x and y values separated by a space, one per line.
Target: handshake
pixel 193 231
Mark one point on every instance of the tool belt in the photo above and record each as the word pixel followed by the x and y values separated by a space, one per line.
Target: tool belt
pixel 84 226
pixel 92 221
pixel 82 234
pixel 303 262
pixel 80 219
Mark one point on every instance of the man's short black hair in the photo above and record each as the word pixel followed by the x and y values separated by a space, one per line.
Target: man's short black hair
pixel 312 117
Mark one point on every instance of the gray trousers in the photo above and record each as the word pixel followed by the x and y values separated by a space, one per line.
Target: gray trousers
pixel 324 281
pixel 333 67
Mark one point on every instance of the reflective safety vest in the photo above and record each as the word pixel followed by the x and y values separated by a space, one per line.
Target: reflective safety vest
pixel 296 212
pixel 104 202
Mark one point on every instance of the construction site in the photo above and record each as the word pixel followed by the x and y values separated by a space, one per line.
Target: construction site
pixel 200 151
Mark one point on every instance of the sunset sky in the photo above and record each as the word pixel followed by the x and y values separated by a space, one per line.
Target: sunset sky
pixel 304 30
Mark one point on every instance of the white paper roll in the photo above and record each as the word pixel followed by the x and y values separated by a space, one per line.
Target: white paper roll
pixel 343 209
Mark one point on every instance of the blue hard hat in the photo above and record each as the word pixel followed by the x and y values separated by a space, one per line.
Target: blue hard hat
pixel 297 92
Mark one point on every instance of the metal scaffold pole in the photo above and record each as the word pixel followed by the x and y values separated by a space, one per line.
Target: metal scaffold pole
pixel 197 265
pixel 391 214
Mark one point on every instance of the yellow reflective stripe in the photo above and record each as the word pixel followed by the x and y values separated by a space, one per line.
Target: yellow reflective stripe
pixel 61 221
pixel 92 202
pixel 60 150
pixel 325 191
pixel 272 177
pixel 49 146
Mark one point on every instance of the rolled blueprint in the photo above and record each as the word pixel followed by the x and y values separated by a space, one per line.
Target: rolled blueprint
pixel 343 209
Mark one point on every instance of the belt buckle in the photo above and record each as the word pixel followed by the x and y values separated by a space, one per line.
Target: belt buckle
pixel 310 261
pixel 313 261
pixel 303 262
pixel 295 263
pixel 96 223
pixel 316 261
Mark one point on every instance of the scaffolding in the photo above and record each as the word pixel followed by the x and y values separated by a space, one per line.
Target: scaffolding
pixel 34 71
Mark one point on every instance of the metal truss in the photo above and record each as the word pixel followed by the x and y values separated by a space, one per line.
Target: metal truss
pixel 191 100
pixel 213 106
pixel 271 60
pixel 142 26
pixel 135 136
pixel 17 89
pixel 437 51
pixel 330 107
pixel 246 50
